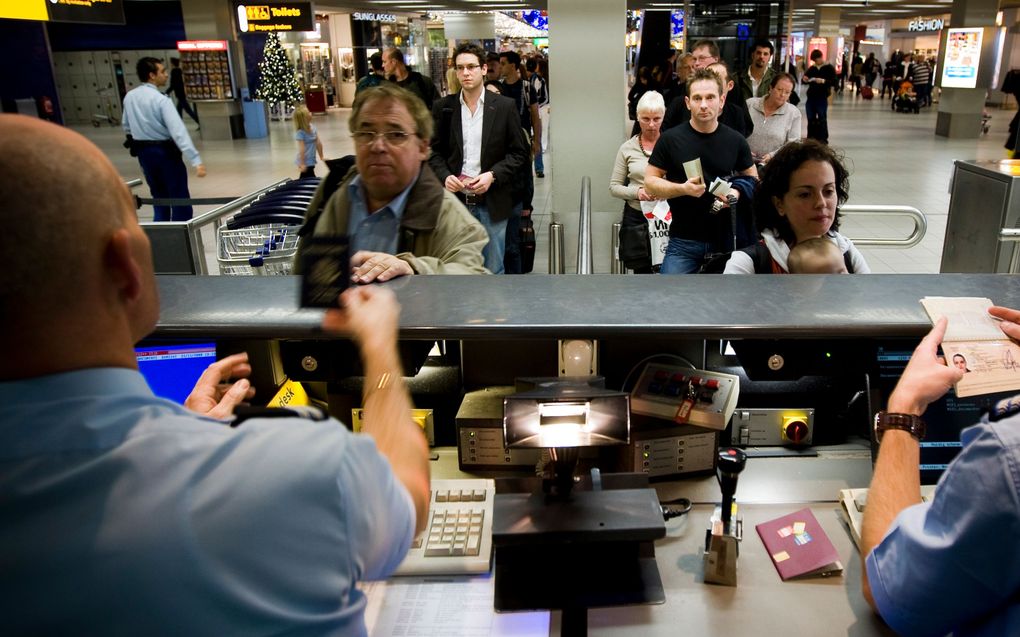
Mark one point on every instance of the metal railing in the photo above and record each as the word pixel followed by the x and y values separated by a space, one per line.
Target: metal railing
pixel 556 246
pixel 192 229
pixel 1012 235
pixel 133 183
pixel 585 259
pixel 915 237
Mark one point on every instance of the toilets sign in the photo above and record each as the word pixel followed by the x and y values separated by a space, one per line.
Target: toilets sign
pixel 926 25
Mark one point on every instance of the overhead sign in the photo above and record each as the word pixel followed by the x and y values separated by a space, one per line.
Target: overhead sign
pixel 963 55
pixel 374 17
pixel 275 16
pixel 84 11
pixel 923 25
pixel 202 45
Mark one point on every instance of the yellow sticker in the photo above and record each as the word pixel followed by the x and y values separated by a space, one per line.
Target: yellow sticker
pixel 798 528
pixel 781 556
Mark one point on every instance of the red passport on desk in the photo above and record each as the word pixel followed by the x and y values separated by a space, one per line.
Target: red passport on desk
pixel 798 546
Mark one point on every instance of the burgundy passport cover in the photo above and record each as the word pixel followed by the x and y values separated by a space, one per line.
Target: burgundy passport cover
pixel 798 547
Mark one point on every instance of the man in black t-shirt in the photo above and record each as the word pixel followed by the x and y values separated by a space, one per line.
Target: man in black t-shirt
pixel 698 222
pixel 820 77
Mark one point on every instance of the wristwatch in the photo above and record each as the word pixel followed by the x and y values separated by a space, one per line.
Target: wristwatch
pixel 910 423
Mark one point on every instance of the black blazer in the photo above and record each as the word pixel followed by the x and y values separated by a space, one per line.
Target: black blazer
pixel 504 147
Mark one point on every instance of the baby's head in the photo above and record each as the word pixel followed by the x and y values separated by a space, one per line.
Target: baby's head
pixel 816 256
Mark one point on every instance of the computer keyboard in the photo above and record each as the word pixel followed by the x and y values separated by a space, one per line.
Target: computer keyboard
pixel 458 538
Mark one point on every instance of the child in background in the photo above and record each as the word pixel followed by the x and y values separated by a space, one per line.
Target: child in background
pixel 816 256
pixel 308 142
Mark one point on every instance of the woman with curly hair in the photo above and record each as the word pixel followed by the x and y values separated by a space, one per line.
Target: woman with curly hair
pixel 801 191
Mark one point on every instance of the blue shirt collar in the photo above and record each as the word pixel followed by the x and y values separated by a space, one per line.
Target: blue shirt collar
pixel 356 190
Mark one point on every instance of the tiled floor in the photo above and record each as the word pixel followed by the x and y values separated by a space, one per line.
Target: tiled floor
pixel 894 159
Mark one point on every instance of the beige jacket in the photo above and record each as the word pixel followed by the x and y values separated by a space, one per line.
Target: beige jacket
pixel 437 233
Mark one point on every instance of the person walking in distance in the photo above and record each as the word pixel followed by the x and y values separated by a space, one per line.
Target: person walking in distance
pixel 157 137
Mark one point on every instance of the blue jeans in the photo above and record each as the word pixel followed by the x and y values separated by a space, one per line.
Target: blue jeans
pixel 496 248
pixel 685 256
pixel 817 109
pixel 539 164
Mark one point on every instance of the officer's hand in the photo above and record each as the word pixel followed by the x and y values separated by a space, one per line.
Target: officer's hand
pixel 200 170
pixel 1010 324
pixel 214 394
pixel 926 377
pixel 368 314
pixel 377 266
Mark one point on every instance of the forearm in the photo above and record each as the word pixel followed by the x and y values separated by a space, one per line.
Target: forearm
pixel 663 188
pixel 388 420
pixel 895 485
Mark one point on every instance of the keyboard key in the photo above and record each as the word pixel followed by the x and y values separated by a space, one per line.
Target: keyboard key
pixel 478 495
pixel 474 544
pixel 442 496
pixel 441 549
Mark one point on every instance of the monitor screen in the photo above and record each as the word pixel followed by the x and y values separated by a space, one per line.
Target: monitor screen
pixel 944 419
pixel 172 369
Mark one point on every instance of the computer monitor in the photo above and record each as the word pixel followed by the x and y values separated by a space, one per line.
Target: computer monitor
pixel 171 369
pixel 944 418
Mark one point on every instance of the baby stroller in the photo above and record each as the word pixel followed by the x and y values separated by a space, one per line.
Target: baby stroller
pixel 906 100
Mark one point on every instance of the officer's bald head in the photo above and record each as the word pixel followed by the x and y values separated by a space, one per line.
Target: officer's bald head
pixel 60 202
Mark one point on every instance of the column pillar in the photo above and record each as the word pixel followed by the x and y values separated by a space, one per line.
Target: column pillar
pixel 826 26
pixel 205 20
pixel 589 119
pixel 960 109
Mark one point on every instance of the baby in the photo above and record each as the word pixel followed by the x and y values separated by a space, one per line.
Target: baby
pixel 816 256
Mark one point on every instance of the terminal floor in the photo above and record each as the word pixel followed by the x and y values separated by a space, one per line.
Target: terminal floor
pixel 894 158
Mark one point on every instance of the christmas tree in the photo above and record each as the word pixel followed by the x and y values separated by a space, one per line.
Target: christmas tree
pixel 277 83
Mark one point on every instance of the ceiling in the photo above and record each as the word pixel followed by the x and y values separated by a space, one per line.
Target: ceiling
pixel 851 13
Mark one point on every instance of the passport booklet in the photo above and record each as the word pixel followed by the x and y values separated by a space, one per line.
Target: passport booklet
pixel 798 547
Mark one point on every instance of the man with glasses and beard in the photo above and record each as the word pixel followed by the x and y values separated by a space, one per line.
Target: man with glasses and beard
pixel 397 215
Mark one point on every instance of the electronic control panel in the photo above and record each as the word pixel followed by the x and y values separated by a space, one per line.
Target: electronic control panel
pixel 773 427
pixel 686 396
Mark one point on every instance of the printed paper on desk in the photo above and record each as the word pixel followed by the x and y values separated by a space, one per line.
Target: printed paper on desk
pixel 806 552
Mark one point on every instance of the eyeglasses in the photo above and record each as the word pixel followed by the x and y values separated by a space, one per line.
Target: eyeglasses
pixel 704 58
pixel 391 137
pixel 467 67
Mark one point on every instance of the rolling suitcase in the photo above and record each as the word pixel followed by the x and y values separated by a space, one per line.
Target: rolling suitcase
pixel 867 92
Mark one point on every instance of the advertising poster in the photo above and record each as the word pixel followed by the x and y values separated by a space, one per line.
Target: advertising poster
pixel 963 54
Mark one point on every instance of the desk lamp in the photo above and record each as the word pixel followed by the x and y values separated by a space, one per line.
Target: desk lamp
pixel 566 548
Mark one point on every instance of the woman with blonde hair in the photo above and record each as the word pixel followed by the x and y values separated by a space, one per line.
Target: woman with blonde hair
pixel 308 142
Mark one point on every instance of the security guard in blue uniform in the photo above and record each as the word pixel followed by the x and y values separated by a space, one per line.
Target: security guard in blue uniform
pixel 156 135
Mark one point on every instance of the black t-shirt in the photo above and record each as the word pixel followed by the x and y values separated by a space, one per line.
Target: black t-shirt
pixel 523 94
pixel 722 153
pixel 827 73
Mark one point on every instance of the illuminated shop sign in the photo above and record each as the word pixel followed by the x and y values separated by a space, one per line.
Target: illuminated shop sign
pixel 290 16
pixel 87 11
pixel 374 17
pixel 202 45
pixel 921 24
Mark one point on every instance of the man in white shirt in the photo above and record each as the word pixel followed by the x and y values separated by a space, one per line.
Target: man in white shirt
pixel 156 135
pixel 478 149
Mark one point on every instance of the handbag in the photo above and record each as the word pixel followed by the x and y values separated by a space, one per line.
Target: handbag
pixel 528 243
pixel 635 250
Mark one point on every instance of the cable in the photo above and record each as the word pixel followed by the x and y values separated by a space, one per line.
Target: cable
pixel 682 507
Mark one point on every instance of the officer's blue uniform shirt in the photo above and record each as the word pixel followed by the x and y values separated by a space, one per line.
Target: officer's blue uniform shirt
pixel 953 565
pixel 126 514
pixel 150 116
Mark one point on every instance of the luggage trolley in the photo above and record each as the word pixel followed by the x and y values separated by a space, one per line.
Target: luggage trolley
pixel 262 238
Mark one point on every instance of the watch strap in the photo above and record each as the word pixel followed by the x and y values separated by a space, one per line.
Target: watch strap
pixel 910 423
